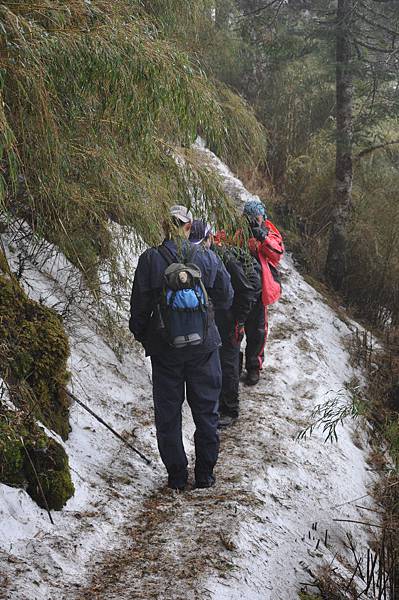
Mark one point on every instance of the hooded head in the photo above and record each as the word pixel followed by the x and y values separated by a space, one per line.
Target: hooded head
pixel 200 231
pixel 253 209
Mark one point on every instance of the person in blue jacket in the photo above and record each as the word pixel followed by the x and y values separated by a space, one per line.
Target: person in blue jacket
pixel 195 369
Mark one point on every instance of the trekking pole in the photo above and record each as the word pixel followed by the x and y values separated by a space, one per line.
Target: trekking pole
pixel 100 420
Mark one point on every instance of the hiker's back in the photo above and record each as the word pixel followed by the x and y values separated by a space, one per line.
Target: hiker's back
pixel 148 286
pixel 183 306
pixel 192 370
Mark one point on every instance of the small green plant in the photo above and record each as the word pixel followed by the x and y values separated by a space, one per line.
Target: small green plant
pixel 306 596
pixel 391 432
pixel 332 413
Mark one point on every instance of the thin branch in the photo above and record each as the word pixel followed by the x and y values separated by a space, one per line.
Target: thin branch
pixel 363 523
pixel 373 148
pixel 100 420
pixel 393 32
pixel 373 48
pixel 258 10
pixel 374 12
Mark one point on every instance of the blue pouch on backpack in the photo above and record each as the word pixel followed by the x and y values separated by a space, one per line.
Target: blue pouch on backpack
pixel 184 305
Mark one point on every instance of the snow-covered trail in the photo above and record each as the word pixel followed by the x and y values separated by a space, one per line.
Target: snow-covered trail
pixel 125 536
pixel 256 534
pixel 252 535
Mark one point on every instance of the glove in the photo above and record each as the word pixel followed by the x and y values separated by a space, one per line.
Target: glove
pixel 260 232
pixel 238 333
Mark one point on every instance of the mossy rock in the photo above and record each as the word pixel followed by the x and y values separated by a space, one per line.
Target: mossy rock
pixel 52 468
pixel 36 356
pixel 33 361
pixel 11 452
pixel 20 437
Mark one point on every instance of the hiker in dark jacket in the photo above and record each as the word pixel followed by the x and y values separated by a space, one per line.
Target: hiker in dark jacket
pixel 196 368
pixel 245 273
pixel 245 276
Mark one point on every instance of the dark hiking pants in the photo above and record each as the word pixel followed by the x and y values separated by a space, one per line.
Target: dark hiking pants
pixel 200 375
pixel 230 363
pixel 256 333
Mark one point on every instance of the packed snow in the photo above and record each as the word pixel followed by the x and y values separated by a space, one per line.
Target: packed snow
pixel 268 524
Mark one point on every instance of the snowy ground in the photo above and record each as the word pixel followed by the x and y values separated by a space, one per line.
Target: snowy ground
pixel 255 534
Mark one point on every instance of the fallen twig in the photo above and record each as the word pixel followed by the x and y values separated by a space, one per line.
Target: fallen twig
pixel 363 523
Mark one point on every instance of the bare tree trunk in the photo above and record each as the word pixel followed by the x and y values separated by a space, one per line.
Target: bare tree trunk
pixel 337 250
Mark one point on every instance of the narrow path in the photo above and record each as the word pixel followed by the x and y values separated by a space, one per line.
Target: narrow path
pixel 253 534
pixel 266 525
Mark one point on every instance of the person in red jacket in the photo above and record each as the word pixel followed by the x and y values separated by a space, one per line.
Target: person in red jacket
pixel 266 244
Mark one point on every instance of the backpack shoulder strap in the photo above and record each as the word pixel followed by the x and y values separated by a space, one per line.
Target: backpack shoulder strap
pixel 170 258
pixel 166 254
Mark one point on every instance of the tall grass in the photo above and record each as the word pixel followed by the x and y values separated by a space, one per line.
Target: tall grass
pixel 96 103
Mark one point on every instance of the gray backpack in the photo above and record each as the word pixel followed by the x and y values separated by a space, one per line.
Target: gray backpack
pixel 183 305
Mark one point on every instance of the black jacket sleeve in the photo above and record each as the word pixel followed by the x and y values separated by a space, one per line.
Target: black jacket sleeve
pixel 142 299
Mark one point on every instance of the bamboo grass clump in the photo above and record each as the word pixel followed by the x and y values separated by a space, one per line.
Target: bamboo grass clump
pixel 95 102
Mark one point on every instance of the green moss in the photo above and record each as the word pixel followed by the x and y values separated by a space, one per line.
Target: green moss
pixel 11 453
pixel 19 437
pixel 52 468
pixel 36 356
pixel 33 356
pixel 3 263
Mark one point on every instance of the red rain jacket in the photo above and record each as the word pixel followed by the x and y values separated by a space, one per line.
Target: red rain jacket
pixel 269 253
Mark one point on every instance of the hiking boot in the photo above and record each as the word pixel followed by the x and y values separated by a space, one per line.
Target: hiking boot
pixel 226 421
pixel 252 377
pixel 205 482
pixel 178 487
pixel 178 482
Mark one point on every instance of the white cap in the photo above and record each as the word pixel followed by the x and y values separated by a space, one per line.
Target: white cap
pixel 182 213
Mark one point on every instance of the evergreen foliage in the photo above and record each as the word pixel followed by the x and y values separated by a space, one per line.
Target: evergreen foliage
pixel 292 87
